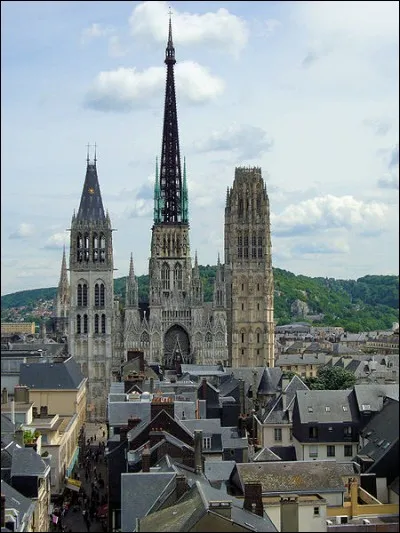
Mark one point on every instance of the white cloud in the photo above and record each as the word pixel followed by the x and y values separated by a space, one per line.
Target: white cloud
pixel 219 29
pixel 57 241
pixel 125 88
pixel 379 126
pixel 270 26
pixel 95 31
pixel 329 246
pixel 140 208
pixel 115 47
pixel 241 140
pixel 329 212
pixel 389 181
pixel 24 231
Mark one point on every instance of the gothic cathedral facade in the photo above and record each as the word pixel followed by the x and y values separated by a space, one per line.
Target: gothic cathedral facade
pixel 175 325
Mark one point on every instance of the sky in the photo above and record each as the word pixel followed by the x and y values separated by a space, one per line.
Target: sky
pixel 308 91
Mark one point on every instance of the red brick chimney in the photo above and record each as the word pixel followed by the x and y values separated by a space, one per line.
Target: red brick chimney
pixel 162 403
pixel 146 459
pixel 253 498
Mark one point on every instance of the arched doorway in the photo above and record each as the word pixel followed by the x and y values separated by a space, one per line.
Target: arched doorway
pixel 176 346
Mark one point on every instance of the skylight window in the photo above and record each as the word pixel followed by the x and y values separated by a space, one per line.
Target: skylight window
pixel 310 410
pixel 366 407
pixel 327 409
pixel 345 408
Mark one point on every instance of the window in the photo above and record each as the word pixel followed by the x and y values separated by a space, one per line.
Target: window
pixel 313 451
pixel 85 323
pixel 348 450
pixel 84 295
pixel 97 295
pixel 165 276
pixel 242 307
pixel 79 295
pixel 258 307
pixel 260 244
pixel 330 451
pixel 103 323
pixel 313 432
pixel 242 338
pixel 96 323
pixel 310 410
pixel 316 511
pixel 178 276
pixel 277 434
pixel 246 247
pixel 327 409
pixel 345 408
pixel 102 295
pixel 347 431
pixel 78 324
pixel 207 443
pixel 258 338
pixel 240 246
pixel 254 245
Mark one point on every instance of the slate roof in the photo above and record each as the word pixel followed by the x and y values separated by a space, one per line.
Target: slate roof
pixel 218 470
pixel 183 410
pixel 144 489
pixel 26 462
pixel 231 438
pixel 43 376
pixel 297 359
pixel 326 406
pixel 274 412
pixel 286 453
pixel 247 374
pixel 7 427
pixel 91 206
pixel 369 395
pixel 295 476
pixel 119 412
pixel 382 432
pixel 195 504
pixel 270 380
pixel 264 455
pixel 16 500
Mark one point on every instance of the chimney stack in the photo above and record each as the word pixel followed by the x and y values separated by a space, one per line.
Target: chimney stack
pixel 133 421
pixel 146 459
pixel 123 434
pixel 198 449
pixel 3 511
pixel 151 385
pixel 4 395
pixel 181 485
pixel 253 498
pixel 19 437
pixel 289 514
pixel 242 397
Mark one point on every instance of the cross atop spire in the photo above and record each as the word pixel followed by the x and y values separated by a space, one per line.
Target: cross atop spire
pixel 170 50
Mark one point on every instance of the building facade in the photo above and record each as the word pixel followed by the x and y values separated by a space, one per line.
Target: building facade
pixel 175 326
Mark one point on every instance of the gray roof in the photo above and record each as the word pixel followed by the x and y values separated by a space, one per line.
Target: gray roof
pixel 298 359
pixel 296 476
pixel 218 470
pixel 119 412
pixel 274 412
pixel 145 490
pixel 247 374
pixel 264 455
pixel 117 397
pixel 326 406
pixel 202 370
pixel 7 427
pixel 184 410
pixel 232 440
pixel 91 206
pixel 64 375
pixel 372 395
pixel 15 500
pixel 270 380
pixel 286 453
pixel 381 432
pixel 26 462
pixel 207 425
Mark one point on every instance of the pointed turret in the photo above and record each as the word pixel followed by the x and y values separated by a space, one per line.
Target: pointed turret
pixel 63 283
pixel 185 196
pixel 62 299
pixel 91 206
pixel 131 291
pixel 170 171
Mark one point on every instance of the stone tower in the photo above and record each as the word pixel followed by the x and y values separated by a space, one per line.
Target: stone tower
pixel 170 266
pixel 249 276
pixel 62 300
pixel 92 292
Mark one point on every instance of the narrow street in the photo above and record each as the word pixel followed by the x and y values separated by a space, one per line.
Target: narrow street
pixel 91 471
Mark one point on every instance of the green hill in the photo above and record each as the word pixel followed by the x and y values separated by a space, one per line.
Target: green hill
pixel 365 304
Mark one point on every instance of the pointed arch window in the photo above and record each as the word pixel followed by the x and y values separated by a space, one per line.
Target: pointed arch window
pixel 84 295
pixel 208 337
pixel 178 276
pixel 254 245
pixel 102 248
pixel 96 323
pixel 240 245
pixel 79 248
pixel 240 207
pixel 78 324
pixel 103 323
pixel 97 295
pixel 260 246
pixel 85 324
pixel 102 295
pixel 86 247
pixel 95 247
pixel 165 277
pixel 79 295
pixel 258 204
pixel 246 247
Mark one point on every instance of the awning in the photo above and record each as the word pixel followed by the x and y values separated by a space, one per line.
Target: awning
pixel 72 463
pixel 72 484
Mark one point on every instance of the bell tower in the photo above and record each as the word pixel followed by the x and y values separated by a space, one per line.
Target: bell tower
pixel 92 291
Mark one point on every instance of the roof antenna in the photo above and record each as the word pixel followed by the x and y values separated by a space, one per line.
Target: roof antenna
pixel 87 153
pixel 95 153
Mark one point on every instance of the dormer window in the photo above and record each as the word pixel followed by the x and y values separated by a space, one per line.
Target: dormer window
pixel 310 410
pixel 327 409
pixel 345 408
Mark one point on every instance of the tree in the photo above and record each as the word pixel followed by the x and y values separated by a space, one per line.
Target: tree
pixel 332 378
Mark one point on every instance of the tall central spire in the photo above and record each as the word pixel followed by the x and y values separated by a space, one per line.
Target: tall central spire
pixel 170 167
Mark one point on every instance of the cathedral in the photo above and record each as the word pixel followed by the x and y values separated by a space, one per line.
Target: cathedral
pixel 175 325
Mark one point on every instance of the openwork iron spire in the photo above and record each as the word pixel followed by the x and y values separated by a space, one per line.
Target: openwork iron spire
pixel 170 168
